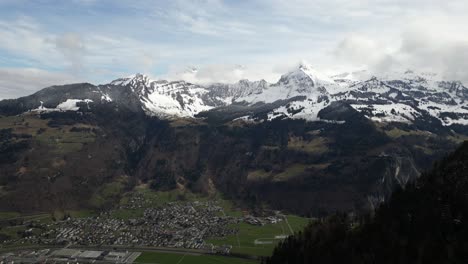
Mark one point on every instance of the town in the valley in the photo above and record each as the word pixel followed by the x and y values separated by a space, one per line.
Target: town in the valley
pixel 184 225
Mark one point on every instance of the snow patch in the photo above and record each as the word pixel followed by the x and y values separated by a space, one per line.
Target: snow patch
pixel 105 97
pixel 71 104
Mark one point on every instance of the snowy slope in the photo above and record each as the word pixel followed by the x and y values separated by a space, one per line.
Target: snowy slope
pixel 405 96
pixel 391 97
pixel 303 81
pixel 167 99
pixel 182 99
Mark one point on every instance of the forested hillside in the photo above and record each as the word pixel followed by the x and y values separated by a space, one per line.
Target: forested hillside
pixel 424 223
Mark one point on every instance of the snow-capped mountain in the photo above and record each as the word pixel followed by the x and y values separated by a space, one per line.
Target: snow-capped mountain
pixel 393 97
pixel 164 98
pixel 301 93
pixel 408 96
pixel 182 99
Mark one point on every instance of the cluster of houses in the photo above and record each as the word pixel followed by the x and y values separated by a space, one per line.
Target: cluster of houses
pixel 177 224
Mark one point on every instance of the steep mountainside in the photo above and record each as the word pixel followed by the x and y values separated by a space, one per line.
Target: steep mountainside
pixel 86 158
pixel 424 223
pixel 81 145
pixel 67 159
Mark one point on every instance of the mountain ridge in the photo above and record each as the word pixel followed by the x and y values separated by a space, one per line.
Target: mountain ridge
pixel 300 93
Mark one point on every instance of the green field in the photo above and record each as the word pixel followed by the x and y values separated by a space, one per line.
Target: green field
pixel 40 217
pixel 61 139
pixel 8 215
pixel 318 145
pixel 292 171
pixel 126 214
pixel 170 258
pixel 12 231
pixel 81 213
pixel 244 241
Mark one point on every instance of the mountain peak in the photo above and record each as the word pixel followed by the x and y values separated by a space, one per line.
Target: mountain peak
pixel 309 70
pixel 305 74
pixel 140 76
pixel 305 66
pixel 135 78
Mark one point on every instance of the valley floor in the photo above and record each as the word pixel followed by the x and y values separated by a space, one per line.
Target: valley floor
pixel 180 221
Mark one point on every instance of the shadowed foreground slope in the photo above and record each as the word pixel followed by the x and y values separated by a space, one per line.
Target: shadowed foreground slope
pixel 425 223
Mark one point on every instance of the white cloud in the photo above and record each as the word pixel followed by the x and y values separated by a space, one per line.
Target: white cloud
pixel 203 17
pixel 16 82
pixel 269 69
pixel 208 73
pixel 438 44
pixel 23 38
pixel 72 46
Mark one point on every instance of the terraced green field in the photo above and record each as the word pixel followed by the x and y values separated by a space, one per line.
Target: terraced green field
pixel 13 232
pixel 8 215
pixel 62 139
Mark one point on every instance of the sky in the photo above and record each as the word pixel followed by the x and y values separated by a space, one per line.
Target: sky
pixel 45 42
